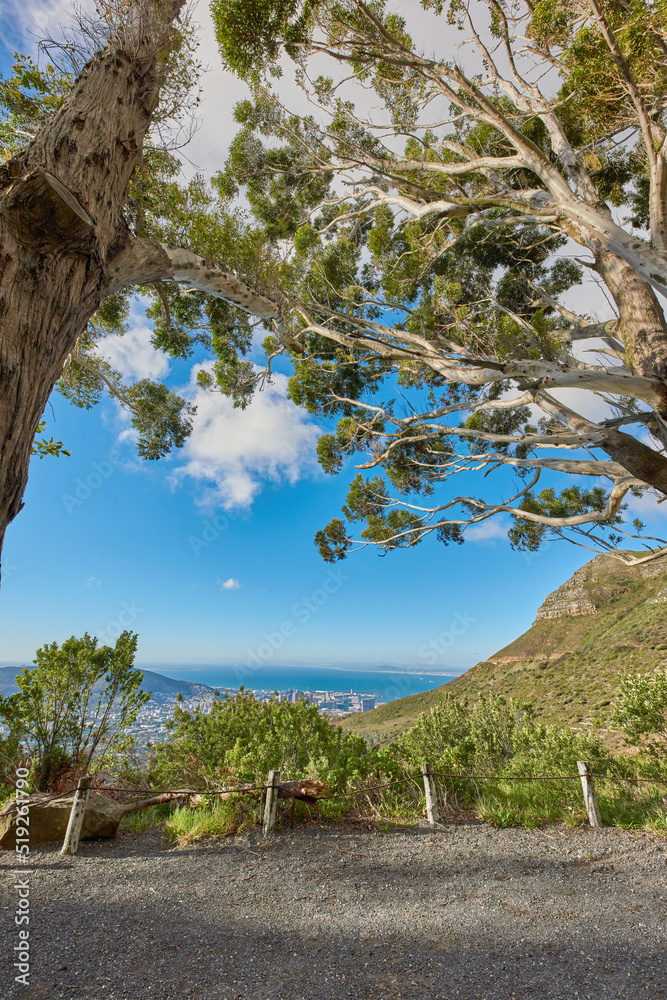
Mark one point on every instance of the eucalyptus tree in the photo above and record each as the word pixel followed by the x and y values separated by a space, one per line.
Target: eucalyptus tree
pixel 433 212
pixel 413 251
pixel 90 211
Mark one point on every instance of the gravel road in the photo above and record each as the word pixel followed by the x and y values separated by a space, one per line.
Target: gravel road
pixel 335 912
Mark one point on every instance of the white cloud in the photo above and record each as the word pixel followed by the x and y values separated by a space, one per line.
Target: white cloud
pixel 233 452
pixel 492 529
pixel 23 23
pixel 92 581
pixel 221 90
pixel 646 506
pixel 230 584
pixel 133 354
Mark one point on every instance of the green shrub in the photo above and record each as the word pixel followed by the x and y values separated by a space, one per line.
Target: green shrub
pixel 641 712
pixel 500 737
pixel 496 736
pixel 242 739
pixel 73 711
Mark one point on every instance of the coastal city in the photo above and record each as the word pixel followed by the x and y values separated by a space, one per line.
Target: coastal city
pixel 151 724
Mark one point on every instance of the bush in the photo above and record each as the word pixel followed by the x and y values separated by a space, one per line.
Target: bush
pixel 641 712
pixel 501 737
pixel 242 739
pixel 73 711
pixel 496 736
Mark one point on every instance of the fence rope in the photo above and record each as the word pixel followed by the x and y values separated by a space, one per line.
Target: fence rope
pixel 179 791
pixel 503 777
pixel 609 777
pixel 369 788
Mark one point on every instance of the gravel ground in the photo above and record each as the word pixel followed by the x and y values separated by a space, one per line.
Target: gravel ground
pixel 327 912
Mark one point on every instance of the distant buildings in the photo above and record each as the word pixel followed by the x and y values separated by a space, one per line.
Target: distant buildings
pixel 151 724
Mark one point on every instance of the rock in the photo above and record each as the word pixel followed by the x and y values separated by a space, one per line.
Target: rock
pixel 660 597
pixel 595 582
pixel 570 599
pixel 49 817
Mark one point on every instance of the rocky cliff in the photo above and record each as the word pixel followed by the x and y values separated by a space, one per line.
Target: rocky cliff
pixel 624 599
pixel 571 598
pixel 597 580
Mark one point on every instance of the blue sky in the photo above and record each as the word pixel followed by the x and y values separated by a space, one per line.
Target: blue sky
pixel 173 550
pixel 105 541
pixel 209 554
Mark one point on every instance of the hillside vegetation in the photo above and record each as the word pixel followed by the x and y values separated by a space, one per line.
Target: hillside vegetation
pixel 606 620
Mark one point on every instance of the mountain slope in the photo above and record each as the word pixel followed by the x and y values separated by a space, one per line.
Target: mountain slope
pixel 606 620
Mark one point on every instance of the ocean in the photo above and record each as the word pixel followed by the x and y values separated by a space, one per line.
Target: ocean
pixel 386 685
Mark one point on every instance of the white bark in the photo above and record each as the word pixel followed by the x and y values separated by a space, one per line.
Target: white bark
pixel 585 222
pixel 656 157
pixel 545 374
pixel 197 272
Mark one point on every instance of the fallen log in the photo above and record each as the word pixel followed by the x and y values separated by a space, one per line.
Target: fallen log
pixel 49 814
pixel 305 790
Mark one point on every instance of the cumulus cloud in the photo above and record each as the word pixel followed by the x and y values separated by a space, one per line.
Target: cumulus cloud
pixel 230 584
pixel 491 530
pixel 133 354
pixel 231 452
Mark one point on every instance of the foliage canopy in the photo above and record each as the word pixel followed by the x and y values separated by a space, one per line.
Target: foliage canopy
pixel 416 243
pixel 429 285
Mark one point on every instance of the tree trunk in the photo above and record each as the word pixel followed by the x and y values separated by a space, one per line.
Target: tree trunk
pixel 642 325
pixel 643 330
pixel 640 461
pixel 63 237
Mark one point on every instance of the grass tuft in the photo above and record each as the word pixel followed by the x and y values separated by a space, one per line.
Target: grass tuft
pixel 188 826
pixel 144 820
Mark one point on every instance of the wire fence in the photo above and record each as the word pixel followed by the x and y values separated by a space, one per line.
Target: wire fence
pixel 454 776
pixel 649 781
pixel 313 792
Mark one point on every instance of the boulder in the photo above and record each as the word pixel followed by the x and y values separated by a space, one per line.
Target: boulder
pixel 49 817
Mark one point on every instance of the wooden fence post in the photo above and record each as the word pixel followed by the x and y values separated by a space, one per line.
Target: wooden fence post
pixel 271 802
pixel 71 842
pixel 429 792
pixel 590 797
